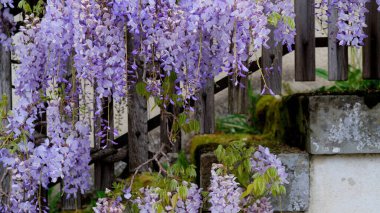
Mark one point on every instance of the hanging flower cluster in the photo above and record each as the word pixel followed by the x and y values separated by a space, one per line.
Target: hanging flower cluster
pixel 109 206
pixel 351 19
pixel 79 41
pixel 225 191
pixel 7 27
pixel 247 188
pixel 262 160
pixel 150 199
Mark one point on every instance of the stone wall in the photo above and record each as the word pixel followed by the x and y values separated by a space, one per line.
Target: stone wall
pixel 340 170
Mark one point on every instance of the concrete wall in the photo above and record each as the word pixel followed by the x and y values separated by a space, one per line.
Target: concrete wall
pixel 345 183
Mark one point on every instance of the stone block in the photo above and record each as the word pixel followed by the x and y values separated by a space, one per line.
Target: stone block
pixel 206 161
pixel 297 191
pixel 343 124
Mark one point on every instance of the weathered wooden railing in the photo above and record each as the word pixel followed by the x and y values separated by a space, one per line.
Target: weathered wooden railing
pixel 132 147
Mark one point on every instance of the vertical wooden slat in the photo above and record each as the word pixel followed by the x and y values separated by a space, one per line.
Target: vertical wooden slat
pixel 371 49
pixel 104 172
pixel 305 40
pixel 138 150
pixel 5 89
pixel 337 54
pixel 205 109
pixel 138 141
pixel 272 58
pixel 238 96
pixel 6 75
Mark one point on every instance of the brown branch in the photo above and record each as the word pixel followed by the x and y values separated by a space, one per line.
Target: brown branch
pixel 154 158
pixel 102 153
pixel 120 155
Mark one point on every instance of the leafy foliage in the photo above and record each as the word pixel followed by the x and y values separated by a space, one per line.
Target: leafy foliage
pixel 235 123
pixel 241 123
pixel 355 81
pixel 259 173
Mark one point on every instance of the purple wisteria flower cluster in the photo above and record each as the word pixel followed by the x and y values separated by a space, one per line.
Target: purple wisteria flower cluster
pixel 108 205
pixel 7 3
pixel 147 203
pixel 225 191
pixel 193 201
pixel 85 42
pixel 262 160
pixel 351 19
pixel 227 194
pixel 65 154
pixel 197 40
pixel 262 205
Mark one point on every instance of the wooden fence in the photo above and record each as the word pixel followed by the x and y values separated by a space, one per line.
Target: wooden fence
pixel 132 147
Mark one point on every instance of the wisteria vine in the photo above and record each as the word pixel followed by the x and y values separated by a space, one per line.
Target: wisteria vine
pixel 110 45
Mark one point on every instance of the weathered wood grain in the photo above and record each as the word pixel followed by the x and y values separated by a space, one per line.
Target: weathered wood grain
pixel 371 49
pixel 272 58
pixel 337 54
pixel 305 40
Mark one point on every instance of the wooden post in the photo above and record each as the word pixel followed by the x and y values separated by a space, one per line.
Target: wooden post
pixel 104 171
pixel 305 40
pixel 138 149
pixel 338 55
pixel 5 89
pixel 238 96
pixel 205 110
pixel 272 58
pixel 371 49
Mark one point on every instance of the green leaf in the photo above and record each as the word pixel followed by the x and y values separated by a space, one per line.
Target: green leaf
pixel 174 200
pixel 272 172
pixel 259 186
pixel 248 191
pixel 141 89
pixel 182 191
pixel 322 73
pixel 173 184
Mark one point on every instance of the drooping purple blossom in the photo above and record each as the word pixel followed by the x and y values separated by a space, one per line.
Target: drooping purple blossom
pixel 193 201
pixel 7 3
pixel 262 160
pixel 225 192
pixel 148 200
pixel 350 21
pixel 108 205
pixel 262 205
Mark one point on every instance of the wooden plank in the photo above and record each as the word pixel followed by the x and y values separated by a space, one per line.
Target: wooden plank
pixel 104 172
pixel 337 54
pixel 5 89
pixel 305 40
pixel 238 96
pixel 138 150
pixel 205 108
pixel 272 65
pixel 6 75
pixel 371 49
